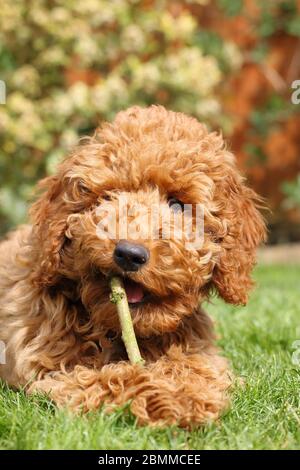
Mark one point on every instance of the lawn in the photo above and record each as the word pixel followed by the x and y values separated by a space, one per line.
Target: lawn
pixel 265 412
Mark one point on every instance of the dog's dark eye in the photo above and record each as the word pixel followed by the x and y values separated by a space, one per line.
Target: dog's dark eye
pixel 83 188
pixel 175 204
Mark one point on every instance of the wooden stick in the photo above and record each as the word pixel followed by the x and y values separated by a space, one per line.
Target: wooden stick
pixel 118 297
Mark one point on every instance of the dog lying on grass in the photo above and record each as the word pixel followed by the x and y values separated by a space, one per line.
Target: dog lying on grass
pixel 61 331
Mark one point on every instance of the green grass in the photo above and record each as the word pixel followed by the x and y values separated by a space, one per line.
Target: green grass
pixel 265 412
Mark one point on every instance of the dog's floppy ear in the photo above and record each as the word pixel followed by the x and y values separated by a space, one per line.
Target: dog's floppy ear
pixel 61 195
pixel 49 217
pixel 245 231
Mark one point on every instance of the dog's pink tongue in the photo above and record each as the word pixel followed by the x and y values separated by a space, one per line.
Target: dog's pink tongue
pixel 134 291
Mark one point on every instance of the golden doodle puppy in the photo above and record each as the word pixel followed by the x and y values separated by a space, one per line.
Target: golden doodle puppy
pixel 61 331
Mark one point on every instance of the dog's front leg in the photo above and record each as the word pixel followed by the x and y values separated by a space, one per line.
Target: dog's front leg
pixel 179 388
pixel 187 389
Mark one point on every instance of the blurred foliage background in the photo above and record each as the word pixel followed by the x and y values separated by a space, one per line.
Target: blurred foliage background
pixel 68 64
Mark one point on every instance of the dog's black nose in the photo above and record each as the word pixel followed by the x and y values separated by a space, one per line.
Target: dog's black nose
pixel 130 256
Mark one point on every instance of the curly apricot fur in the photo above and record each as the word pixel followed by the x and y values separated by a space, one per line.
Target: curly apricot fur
pixel 55 314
